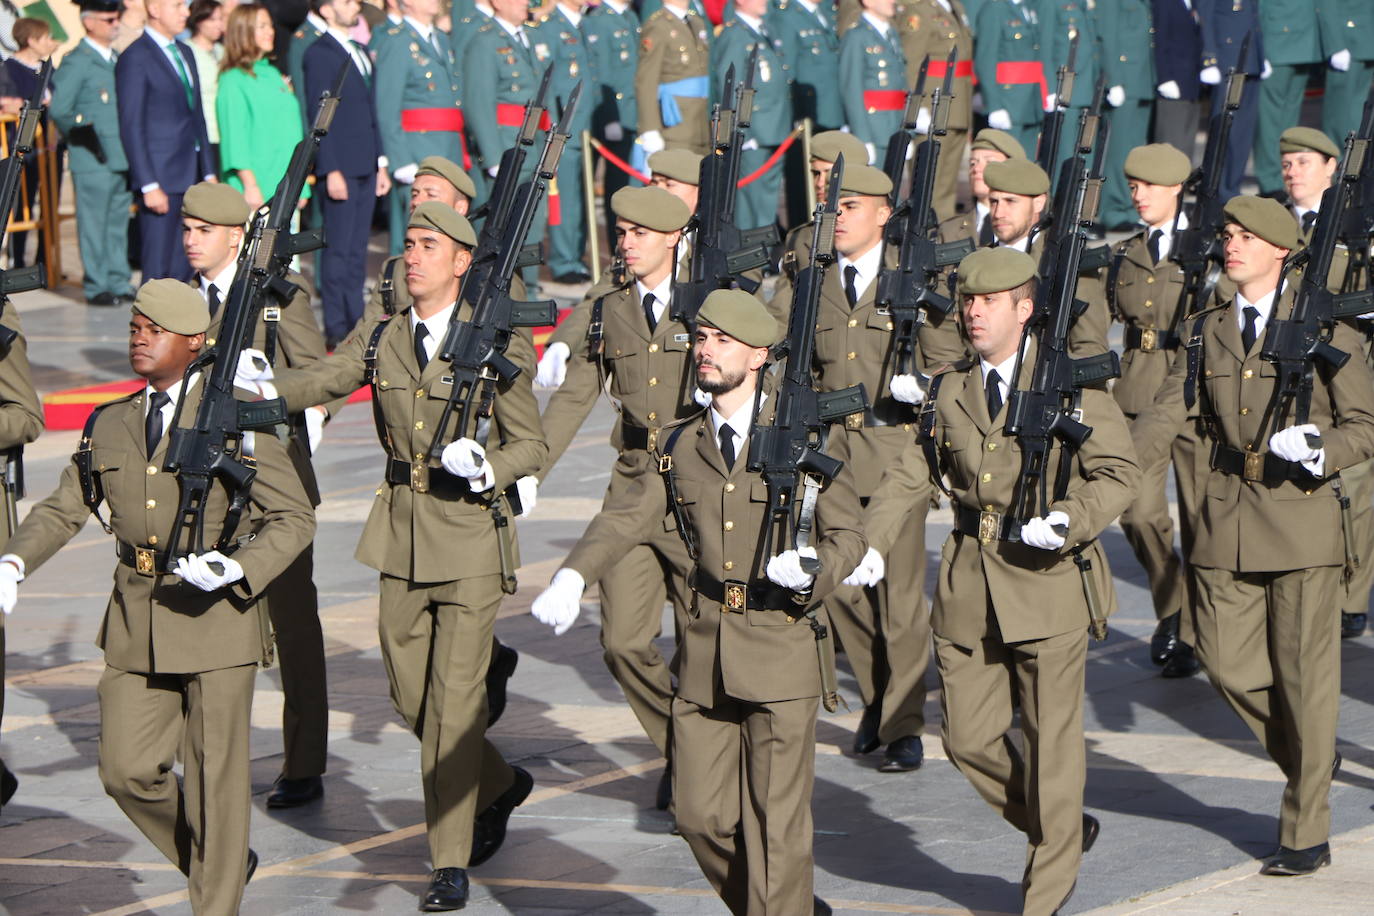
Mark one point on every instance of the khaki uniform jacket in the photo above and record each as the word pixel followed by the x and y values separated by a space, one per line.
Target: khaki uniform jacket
pixel 21 413
pixel 926 28
pixel 411 533
pixel 159 624
pixel 672 49
pixel 1146 297
pixel 1245 526
pixel 760 656
pixel 374 310
pixel 1035 594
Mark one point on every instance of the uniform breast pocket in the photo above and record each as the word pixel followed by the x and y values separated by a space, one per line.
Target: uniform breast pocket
pixel 686 496
pixel 959 449
pixel 106 464
pixel 627 365
pixel 879 321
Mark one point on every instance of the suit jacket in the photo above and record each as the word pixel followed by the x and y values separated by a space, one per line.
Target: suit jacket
pixel 1128 47
pixel 354 141
pixel 1178 47
pixel 1291 33
pixel 1224 26
pixel 158 624
pixel 164 135
pixel 1245 526
pixel 871 61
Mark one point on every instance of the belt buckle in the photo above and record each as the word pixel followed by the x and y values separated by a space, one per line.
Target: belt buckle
pixel 735 598
pixel 271 313
pixel 854 420
pixel 145 561
pixel 419 477
pixel 653 438
pixel 1148 339
pixel 988 525
pixel 1254 466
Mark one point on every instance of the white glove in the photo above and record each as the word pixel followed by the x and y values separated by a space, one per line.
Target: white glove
pixel 1116 96
pixel 1169 90
pixel 785 569
pixel 614 132
pixel 253 367
pixel 1341 60
pixel 1291 445
pixel 999 119
pixel 527 488
pixel 314 426
pixel 10 577
pixel 1267 71
pixel 651 141
pixel 553 365
pixel 872 153
pixel 910 152
pixel 465 458
pixel 907 389
pixel 196 570
pixel 1210 75
pixel 751 143
pixel 923 121
pixel 406 173
pixel 1052 101
pixel 702 398
pixel 560 603
pixel 493 171
pixel 1039 532
pixel 869 572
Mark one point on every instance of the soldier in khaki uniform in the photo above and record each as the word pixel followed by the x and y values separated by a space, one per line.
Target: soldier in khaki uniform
pixel 180 653
pixel 1268 553
pixel 744 719
pixel 1143 291
pixel 1011 618
pixel 672 89
pixel 212 220
pixel 989 145
pixel 437 605
pixel 826 147
pixel 932 27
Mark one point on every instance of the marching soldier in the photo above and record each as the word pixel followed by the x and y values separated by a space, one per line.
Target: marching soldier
pixel 1143 291
pixel 1009 61
pixel 182 641
pixel 437 608
pixel 1347 30
pixel 1128 60
pixel 611 30
pixel 1011 617
pixel 873 82
pixel 989 145
pixel 826 147
pixel 212 219
pixel 757 204
pixel 672 88
pixel 932 27
pixel 1292 50
pixel 744 717
pixel 1268 552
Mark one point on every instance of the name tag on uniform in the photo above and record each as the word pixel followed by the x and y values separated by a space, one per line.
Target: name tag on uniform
pixel 681 338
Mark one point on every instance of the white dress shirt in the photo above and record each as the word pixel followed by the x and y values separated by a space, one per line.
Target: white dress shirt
pixel 355 53
pixel 168 409
pixel 868 266
pixel 882 27
pixel 740 422
pixel 436 324
pixel 222 281
pixel 1004 373
pixel 662 294
pixel 1264 305
pixel 104 51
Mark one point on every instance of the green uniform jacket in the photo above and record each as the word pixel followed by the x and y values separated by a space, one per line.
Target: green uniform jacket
pixel 613 42
pixel 496 69
pixel 1245 526
pixel 301 40
pixel 467 19
pixel 772 120
pixel 411 532
pixel 927 29
pixel 811 50
pixel 1346 25
pixel 559 44
pixel 1290 32
pixel 411 73
pixel 870 61
pixel 1060 20
pixel 1128 46
pixel 672 49
pixel 157 624
pixel 1006 34
pixel 83 92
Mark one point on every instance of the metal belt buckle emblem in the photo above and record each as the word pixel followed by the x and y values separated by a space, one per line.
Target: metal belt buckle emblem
pixel 1147 339
pixel 734 597
pixel 854 420
pixel 987 527
pixel 419 477
pixel 145 563
pixel 1254 466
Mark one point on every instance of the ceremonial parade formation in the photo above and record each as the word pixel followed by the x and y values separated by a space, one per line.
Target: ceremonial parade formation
pixel 848 274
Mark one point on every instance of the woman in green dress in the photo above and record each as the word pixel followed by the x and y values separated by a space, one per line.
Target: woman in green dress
pixel 259 117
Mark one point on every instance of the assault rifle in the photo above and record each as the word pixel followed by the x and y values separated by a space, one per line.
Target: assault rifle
pixel 721 252
pixel 1359 220
pixel 212 447
pixel 900 141
pixel 1052 128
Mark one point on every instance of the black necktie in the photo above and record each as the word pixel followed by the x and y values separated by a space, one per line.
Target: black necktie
pixel 152 425
pixel 985 233
pixel 993 383
pixel 1153 245
pixel 1247 333
pixel 727 445
pixel 421 354
pixel 851 295
pixel 1308 219
pixel 649 316
pixel 212 294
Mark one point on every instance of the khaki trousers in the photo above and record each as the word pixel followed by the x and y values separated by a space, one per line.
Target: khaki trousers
pixel 742 780
pixel 1271 645
pixel 1359 488
pixel 147 721
pixel 885 631
pixel 436 644
pixel 294 607
pixel 1042 794
pixel 1149 529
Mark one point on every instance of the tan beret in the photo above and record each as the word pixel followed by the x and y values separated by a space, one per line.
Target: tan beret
pixel 215 203
pixel 1307 139
pixel 448 170
pixel 651 207
pixel 994 270
pixel 865 180
pixel 740 315
pixel 433 214
pixel 1266 218
pixel 173 306
pixel 681 165
pixel 1158 163
pixel 1000 140
pixel 829 144
pixel 1017 176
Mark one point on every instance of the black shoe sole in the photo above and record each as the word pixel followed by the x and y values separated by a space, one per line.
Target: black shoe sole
pixel 1271 871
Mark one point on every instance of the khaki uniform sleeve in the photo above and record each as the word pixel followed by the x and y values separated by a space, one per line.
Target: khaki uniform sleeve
pixel 21 414
pixel 1107 463
pixel 287 520
pixel 567 410
pixel 1153 431
pixel 335 376
pixel 522 450
pixel 904 484
pixel 51 523
pixel 839 521
pixel 1352 394
pixel 622 523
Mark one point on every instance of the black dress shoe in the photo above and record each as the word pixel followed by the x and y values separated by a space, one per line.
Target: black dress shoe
pixel 103 299
pixel 290 793
pixel 664 796
pixel 1352 625
pixel 1287 862
pixel 1336 765
pixel 448 890
pixel 903 755
pixel 9 784
pixel 252 866
pixel 1091 828
pixel 819 907
pixel 1165 640
pixel 499 671
pixel 489 829
pixel 1182 663
pixel 573 276
pixel 866 735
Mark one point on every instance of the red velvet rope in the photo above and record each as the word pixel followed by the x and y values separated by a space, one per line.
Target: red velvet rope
pixel 758 173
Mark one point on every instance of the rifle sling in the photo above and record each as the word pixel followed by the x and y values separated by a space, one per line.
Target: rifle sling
pixel 92 491
pixel 926 436
pixel 388 286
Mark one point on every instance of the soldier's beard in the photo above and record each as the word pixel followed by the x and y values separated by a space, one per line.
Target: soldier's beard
pixel 724 383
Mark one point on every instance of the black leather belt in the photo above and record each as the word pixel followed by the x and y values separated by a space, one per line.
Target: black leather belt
pixel 637 438
pixel 1264 468
pixel 1366 326
pixel 1150 339
pixel 424 479
pixel 145 561
pixel 736 596
pixel 988 526
pixel 888 412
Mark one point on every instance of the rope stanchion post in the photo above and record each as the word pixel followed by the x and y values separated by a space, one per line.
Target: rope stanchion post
pixel 807 128
pixel 589 195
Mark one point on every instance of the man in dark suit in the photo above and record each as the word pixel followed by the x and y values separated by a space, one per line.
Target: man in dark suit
pixel 1225 24
pixel 163 129
pixel 350 164
pixel 1178 51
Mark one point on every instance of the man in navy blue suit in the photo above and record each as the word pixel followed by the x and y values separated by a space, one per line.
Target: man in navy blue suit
pixel 1178 56
pixel 350 164
pixel 163 129
pixel 1225 24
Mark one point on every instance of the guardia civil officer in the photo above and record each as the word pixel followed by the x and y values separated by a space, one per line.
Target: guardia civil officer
pixel 873 83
